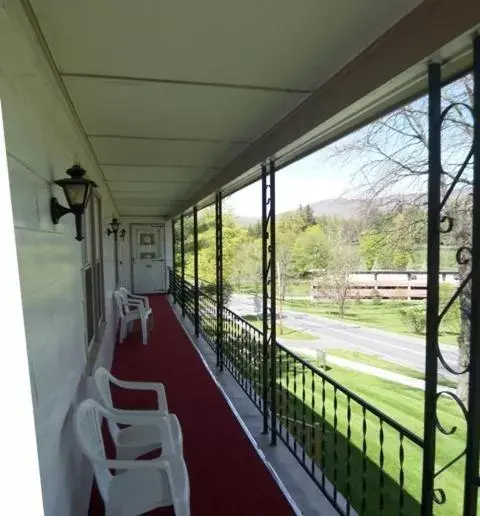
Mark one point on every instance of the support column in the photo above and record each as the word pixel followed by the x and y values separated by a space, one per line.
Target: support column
pixel 269 371
pixel 173 276
pixel 472 477
pixel 195 271
pixel 182 263
pixel 219 277
pixel 433 268
pixel 115 258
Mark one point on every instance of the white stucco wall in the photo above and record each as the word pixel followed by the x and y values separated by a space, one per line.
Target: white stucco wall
pixel 42 141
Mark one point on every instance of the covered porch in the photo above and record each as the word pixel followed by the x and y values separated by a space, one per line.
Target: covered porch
pixel 170 107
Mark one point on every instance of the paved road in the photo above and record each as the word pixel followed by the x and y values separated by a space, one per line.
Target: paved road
pixel 332 333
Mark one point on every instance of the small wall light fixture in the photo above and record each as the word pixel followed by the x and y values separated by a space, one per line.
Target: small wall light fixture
pixel 77 190
pixel 115 229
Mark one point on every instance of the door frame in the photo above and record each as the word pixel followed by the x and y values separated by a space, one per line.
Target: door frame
pixel 131 228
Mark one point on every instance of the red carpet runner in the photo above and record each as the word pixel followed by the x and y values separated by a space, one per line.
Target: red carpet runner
pixel 227 477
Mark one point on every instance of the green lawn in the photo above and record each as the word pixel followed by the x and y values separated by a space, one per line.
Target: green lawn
pixel 384 315
pixel 342 458
pixel 377 361
pixel 299 288
pixel 283 332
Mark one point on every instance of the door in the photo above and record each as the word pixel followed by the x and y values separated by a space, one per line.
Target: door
pixel 148 258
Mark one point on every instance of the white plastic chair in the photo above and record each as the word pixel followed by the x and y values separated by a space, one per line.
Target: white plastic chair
pixel 136 440
pixel 130 310
pixel 135 297
pixel 129 297
pixel 138 486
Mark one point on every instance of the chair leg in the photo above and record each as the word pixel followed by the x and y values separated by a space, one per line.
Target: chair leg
pixel 144 330
pixel 123 328
pixel 150 322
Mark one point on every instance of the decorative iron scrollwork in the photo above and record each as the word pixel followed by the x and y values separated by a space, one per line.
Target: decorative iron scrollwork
pixel 439 494
pixel 463 255
pixel 449 224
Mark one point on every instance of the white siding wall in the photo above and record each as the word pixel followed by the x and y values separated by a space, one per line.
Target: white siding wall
pixel 42 141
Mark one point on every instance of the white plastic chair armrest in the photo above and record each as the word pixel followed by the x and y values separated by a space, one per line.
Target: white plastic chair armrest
pixel 138 306
pixel 129 417
pixel 160 463
pixel 143 298
pixel 137 386
pixel 142 417
pixel 135 302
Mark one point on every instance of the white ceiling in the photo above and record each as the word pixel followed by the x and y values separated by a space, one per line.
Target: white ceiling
pixel 170 92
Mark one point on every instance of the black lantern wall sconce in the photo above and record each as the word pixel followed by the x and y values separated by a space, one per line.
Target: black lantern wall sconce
pixel 115 229
pixel 77 190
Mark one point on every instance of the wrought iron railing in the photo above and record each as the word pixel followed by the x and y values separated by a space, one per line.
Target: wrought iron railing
pixel 361 459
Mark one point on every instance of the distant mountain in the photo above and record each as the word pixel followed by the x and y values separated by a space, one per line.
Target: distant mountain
pixel 345 208
pixel 340 207
pixel 247 221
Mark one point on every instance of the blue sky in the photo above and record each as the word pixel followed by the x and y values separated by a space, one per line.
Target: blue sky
pixel 311 179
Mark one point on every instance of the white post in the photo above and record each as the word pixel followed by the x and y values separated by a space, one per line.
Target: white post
pixel 21 490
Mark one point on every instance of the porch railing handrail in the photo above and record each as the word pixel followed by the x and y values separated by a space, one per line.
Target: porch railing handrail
pixel 375 411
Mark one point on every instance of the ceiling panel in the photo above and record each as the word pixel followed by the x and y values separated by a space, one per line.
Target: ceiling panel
pixel 142 212
pixel 150 201
pixel 276 43
pixel 165 174
pixel 148 109
pixel 138 189
pixel 148 152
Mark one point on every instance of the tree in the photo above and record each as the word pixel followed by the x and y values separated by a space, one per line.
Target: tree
pixel 371 244
pixel 392 158
pixel 311 250
pixel 247 266
pixel 307 215
pixel 255 230
pixel 289 226
pixel 334 282
pixel 234 236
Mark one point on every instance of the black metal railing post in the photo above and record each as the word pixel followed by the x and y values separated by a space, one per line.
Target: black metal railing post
pixel 269 347
pixel 173 283
pixel 265 334
pixel 273 311
pixel 195 272
pixel 472 478
pixel 182 263
pixel 219 278
pixel 433 267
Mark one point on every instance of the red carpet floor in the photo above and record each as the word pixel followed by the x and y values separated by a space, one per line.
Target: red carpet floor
pixel 226 475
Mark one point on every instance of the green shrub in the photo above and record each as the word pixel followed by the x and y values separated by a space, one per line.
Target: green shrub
pixel 414 317
pixel 451 320
pixel 376 297
pixel 211 290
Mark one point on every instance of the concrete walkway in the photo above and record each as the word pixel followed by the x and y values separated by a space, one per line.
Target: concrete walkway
pixel 368 369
